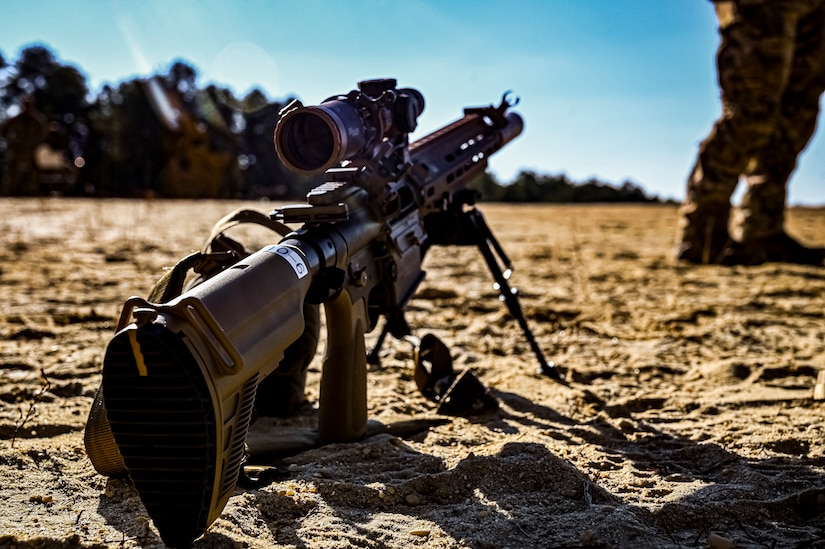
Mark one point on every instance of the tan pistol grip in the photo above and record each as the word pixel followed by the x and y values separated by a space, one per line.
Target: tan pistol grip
pixel 343 400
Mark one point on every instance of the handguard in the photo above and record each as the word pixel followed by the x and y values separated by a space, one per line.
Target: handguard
pixel 189 370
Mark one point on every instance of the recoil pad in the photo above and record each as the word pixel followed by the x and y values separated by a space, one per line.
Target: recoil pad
pixel 100 443
pixel 179 386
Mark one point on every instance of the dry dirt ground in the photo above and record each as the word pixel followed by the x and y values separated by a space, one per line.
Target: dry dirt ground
pixel 688 420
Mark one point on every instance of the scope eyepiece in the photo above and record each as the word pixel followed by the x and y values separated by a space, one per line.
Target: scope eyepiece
pixel 311 140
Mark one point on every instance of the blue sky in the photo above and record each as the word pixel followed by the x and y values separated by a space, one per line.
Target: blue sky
pixel 613 89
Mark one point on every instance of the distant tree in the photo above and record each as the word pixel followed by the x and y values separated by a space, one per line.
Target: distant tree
pixel 489 187
pixel 527 187
pixel 557 188
pixel 3 65
pixel 182 71
pixel 633 193
pixel 531 187
pixel 3 72
pixel 127 135
pixel 183 77
pixel 222 96
pixel 125 143
pixel 59 91
pixel 28 76
pixel 254 100
pixel 65 94
pixel 227 106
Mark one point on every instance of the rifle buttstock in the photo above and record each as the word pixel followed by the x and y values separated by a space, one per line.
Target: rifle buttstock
pixel 178 414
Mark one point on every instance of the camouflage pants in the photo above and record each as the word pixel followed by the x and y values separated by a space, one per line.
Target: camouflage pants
pixel 771 70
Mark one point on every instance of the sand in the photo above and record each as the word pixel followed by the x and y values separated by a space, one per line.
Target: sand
pixel 688 420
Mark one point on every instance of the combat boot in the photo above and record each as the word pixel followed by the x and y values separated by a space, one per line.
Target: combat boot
pixel 778 248
pixel 703 232
pixel 762 236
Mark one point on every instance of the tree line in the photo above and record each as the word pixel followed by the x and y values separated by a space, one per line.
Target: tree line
pixel 164 135
pixel 529 186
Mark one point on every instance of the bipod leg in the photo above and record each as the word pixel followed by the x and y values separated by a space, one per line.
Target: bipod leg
pixel 489 247
pixel 373 356
pixel 396 325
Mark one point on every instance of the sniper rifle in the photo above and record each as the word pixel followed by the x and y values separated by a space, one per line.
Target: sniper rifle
pixel 181 373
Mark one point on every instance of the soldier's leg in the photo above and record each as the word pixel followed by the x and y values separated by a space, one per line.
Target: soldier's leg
pixel 753 68
pixel 703 217
pixel 763 235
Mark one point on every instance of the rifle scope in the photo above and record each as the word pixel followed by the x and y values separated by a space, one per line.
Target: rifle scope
pixel 310 140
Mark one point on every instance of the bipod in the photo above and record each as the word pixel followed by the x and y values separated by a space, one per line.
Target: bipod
pixel 492 252
pixel 397 326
